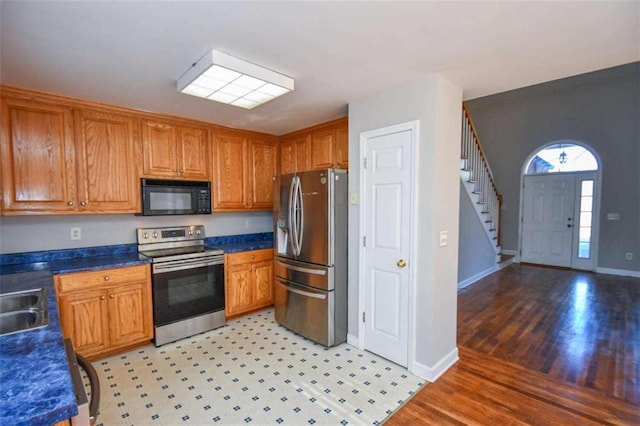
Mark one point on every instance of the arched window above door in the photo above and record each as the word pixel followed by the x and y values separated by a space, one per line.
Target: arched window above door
pixel 562 157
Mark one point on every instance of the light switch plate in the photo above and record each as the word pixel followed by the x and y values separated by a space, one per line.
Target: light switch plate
pixel 443 238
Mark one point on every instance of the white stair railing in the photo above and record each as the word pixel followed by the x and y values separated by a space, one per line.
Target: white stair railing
pixel 479 174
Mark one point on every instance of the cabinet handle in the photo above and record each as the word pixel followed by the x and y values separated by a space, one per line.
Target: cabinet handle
pixel 175 170
pixel 253 256
pixel 106 278
pixel 181 171
pixel 102 298
pixel 111 296
pixel 83 203
pixel 70 203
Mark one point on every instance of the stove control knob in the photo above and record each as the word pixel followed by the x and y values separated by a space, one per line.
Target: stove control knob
pixel 198 232
pixel 145 235
pixel 190 232
pixel 154 235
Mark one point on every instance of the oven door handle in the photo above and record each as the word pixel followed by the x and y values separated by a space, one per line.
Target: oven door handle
pixel 178 265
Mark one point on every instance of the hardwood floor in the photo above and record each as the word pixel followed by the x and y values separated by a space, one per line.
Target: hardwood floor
pixel 540 346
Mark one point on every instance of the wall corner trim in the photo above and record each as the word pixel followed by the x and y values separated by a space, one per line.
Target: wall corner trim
pixel 476 277
pixel 353 340
pixel 432 373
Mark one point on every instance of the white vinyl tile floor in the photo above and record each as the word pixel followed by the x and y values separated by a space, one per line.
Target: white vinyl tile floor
pixel 251 371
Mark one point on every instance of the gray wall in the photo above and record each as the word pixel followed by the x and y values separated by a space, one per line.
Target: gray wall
pixel 34 233
pixel 475 251
pixel 601 109
pixel 436 104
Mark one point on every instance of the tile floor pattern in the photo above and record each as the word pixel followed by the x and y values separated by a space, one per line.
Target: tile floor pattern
pixel 251 371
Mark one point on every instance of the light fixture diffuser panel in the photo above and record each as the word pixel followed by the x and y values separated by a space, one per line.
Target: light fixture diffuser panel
pixel 223 78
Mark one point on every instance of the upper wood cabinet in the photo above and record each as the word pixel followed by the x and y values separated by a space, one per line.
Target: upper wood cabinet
pixel 244 166
pixel 322 146
pixel 49 167
pixel 108 179
pixel 229 172
pixel 330 147
pixel 38 157
pixel 262 168
pixel 295 154
pixel 174 151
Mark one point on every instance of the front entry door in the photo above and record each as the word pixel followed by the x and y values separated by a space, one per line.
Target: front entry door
pixel 548 219
pixel 387 211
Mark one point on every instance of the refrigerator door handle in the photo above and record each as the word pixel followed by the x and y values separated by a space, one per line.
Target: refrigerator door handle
pixel 292 226
pixel 301 269
pixel 300 292
pixel 300 219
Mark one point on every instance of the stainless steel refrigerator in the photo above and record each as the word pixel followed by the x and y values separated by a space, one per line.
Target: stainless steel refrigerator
pixel 310 245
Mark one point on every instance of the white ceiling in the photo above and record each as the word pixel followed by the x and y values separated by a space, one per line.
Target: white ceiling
pixel 130 53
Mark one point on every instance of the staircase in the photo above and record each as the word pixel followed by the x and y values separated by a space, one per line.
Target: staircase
pixel 479 183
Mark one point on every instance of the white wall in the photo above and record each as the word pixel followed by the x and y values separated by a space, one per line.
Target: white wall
pixel 34 233
pixel 436 103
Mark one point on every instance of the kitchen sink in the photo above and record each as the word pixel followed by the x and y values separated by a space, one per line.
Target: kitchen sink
pixel 23 311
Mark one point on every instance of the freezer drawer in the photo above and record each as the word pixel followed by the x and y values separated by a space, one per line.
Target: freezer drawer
pixel 307 274
pixel 307 311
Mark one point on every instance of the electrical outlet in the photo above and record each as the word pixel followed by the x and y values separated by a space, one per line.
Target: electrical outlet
pixel 76 233
pixel 629 256
pixel 247 223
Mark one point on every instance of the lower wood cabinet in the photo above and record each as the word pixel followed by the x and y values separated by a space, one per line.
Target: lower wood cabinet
pixel 106 311
pixel 248 281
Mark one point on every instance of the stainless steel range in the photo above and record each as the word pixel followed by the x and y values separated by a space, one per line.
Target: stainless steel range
pixel 187 281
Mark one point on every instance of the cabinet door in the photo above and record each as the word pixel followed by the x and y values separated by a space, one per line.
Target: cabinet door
pixel 230 177
pixel 108 179
pixel 341 152
pixel 160 154
pixel 262 162
pixel 83 317
pixel 263 283
pixel 238 289
pixel 193 150
pixel 295 154
pixel 303 153
pixel 130 315
pixel 38 158
pixel 322 142
pixel 287 157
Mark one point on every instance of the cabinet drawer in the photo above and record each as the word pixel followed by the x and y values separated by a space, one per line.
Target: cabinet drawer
pixel 233 259
pixel 102 278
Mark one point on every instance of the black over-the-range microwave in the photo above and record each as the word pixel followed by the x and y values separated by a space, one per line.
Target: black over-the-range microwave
pixel 175 197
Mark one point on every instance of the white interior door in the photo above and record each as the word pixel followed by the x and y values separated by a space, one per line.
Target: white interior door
pixel 387 210
pixel 548 219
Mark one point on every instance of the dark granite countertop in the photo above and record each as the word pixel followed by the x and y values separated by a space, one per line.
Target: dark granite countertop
pixel 35 386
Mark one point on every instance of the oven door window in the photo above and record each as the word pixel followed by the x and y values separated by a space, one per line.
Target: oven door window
pixel 178 295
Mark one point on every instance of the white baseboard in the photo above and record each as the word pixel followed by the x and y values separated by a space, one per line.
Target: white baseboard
pixel 353 340
pixel 510 252
pixel 476 277
pixel 431 374
pixel 621 272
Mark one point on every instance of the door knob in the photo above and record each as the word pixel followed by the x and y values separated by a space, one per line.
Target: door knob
pixel 401 263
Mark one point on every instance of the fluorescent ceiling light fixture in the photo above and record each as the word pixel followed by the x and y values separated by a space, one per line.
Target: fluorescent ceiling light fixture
pixel 223 78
